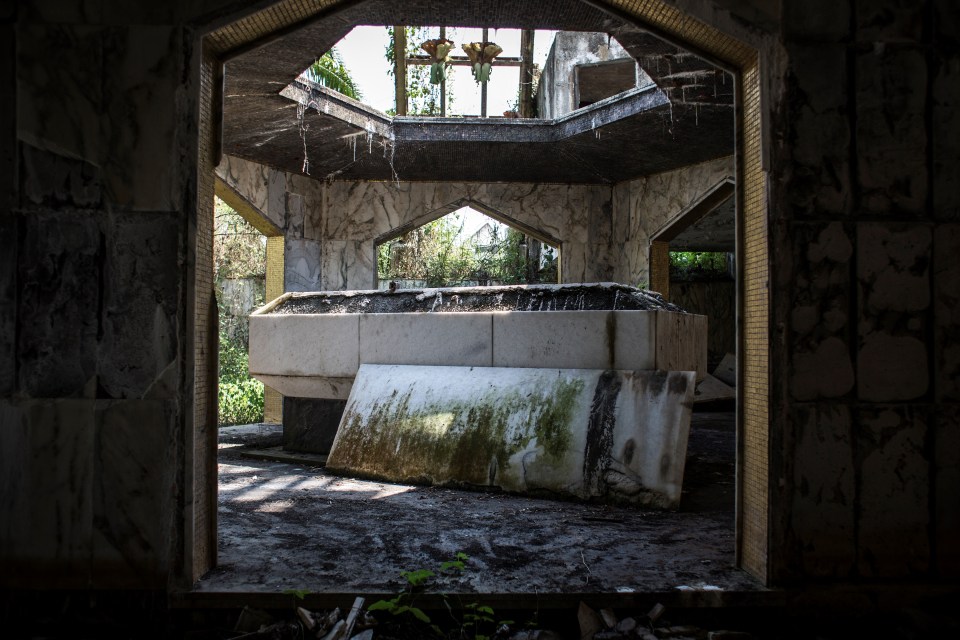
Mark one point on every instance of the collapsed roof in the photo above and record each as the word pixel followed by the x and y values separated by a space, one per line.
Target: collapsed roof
pixel 272 118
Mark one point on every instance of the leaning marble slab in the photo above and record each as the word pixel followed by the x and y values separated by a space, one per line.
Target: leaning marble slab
pixel 586 434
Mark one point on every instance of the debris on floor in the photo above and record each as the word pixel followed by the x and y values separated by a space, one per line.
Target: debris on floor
pixel 471 621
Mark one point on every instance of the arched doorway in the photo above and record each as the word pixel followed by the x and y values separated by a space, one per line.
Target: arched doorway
pixel 656 16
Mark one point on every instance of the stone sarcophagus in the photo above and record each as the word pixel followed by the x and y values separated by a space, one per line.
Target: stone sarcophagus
pixel 582 391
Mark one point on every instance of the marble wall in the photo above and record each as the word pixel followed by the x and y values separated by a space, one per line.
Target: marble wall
pixel 93 230
pixel 645 206
pixel 331 228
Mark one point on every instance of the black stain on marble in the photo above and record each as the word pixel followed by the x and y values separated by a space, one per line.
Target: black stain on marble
pixel 600 426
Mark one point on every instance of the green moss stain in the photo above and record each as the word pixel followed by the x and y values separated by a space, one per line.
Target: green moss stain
pixel 467 442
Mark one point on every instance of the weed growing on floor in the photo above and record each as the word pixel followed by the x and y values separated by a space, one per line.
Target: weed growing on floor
pixel 474 622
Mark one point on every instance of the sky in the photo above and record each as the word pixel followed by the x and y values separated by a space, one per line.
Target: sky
pixel 362 51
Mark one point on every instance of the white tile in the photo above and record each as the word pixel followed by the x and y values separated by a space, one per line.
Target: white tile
pixel 460 339
pixel 636 335
pixel 563 339
pixel 301 345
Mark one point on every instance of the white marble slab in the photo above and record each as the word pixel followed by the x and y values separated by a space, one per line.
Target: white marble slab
pixel 616 436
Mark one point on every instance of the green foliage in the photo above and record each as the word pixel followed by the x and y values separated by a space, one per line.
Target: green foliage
pixel 239 250
pixel 299 594
pixel 240 397
pixel 692 264
pixel 417 577
pixel 476 621
pixel 329 71
pixel 435 254
pixel 423 98
pixel 457 564
pixel 239 254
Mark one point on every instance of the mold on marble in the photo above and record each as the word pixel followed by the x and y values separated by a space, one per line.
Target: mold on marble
pixel 817 20
pixel 823 495
pixel 613 436
pixel 47 79
pixel 52 180
pixel 894 480
pixel 946 20
pixel 8 304
pixel 140 157
pixel 946 142
pixel 821 180
pixel 8 126
pixel 899 21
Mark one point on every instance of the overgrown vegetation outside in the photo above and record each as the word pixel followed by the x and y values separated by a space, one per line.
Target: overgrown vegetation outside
pixel 699 265
pixel 423 98
pixel 329 71
pixel 436 255
pixel 240 274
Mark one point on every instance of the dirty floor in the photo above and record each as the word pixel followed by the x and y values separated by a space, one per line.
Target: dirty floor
pixel 285 526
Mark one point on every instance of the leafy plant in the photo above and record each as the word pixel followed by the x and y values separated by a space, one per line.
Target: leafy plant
pixel 457 564
pixel 423 97
pixel 329 71
pixel 239 259
pixel 436 254
pixel 403 602
pixel 685 264
pixel 240 397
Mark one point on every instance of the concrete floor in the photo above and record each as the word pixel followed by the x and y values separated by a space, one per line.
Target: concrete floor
pixel 284 526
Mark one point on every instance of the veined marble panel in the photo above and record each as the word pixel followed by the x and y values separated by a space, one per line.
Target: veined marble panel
pixel 305 200
pixel 249 179
pixel 362 210
pixel 348 264
pixel 654 201
pixel 46 476
pixel 58 294
pixel 60 97
pixel 301 265
pixel 132 480
pixel 141 155
pixel 142 283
